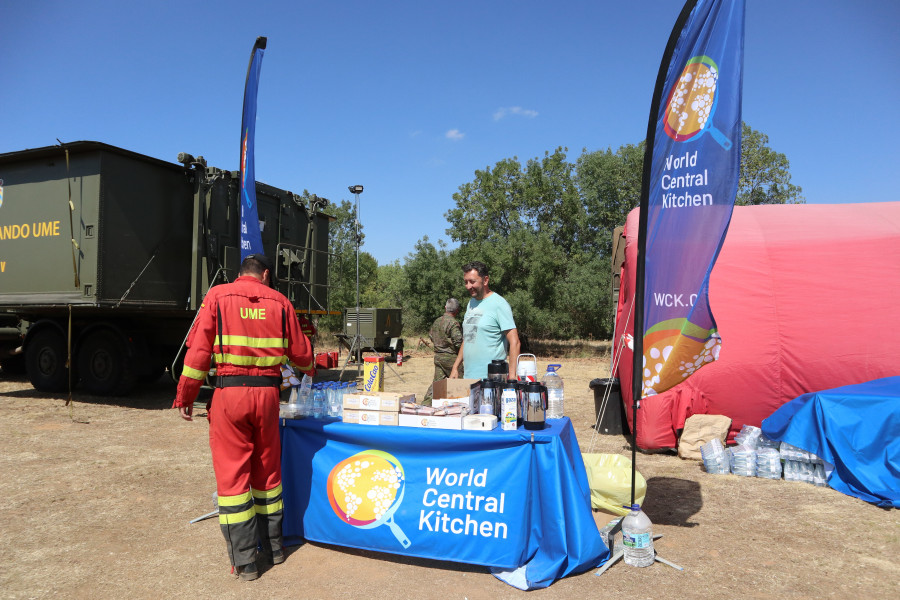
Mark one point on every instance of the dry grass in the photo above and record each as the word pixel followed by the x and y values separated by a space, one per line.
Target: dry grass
pixel 98 499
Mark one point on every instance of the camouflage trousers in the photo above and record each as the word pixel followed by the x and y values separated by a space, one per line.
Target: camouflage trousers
pixel 443 364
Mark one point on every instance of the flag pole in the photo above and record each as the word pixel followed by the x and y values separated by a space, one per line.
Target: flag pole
pixel 638 356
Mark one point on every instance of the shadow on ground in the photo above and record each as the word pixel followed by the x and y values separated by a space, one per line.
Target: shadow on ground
pixel 672 501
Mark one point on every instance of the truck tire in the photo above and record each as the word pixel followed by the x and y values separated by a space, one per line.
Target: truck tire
pixel 104 363
pixel 45 361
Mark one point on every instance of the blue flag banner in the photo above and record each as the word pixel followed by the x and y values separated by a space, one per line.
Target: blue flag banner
pixel 695 138
pixel 500 499
pixel 251 240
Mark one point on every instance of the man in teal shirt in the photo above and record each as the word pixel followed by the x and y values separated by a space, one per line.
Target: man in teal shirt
pixel 489 331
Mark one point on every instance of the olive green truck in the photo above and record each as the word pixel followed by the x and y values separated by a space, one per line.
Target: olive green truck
pixel 106 255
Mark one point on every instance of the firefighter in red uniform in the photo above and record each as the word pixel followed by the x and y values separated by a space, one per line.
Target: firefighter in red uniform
pixel 250 329
pixel 308 329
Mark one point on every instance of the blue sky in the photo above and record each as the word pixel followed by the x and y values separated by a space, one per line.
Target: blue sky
pixel 410 98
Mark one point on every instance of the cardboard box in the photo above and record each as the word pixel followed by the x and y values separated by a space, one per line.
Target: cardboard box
pixel 382 401
pixel 370 417
pixel 466 392
pixel 430 422
pixel 373 374
pixel 442 402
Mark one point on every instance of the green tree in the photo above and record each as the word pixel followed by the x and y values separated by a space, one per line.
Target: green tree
pixel 765 174
pixel 389 289
pixel 432 275
pixel 342 265
pixel 610 187
pixel 530 226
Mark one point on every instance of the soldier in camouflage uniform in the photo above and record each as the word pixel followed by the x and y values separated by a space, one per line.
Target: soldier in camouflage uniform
pixel 446 335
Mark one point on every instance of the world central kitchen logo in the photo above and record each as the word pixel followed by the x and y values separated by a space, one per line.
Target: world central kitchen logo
pixel 366 489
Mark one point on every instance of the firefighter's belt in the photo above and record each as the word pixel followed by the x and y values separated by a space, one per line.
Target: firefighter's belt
pixel 224 381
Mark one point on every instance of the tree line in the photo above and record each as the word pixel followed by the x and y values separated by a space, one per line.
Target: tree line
pixel 544 228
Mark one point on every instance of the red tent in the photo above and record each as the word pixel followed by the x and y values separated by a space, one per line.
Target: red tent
pixel 806 298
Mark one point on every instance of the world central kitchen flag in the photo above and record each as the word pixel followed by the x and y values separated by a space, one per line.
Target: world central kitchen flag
pixel 694 152
pixel 251 240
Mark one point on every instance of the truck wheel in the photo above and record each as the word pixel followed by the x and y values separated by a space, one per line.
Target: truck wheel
pixel 104 364
pixel 45 361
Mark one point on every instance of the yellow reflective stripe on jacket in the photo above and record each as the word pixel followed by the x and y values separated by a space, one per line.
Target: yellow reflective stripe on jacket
pixel 193 373
pixel 234 500
pixel 232 518
pixel 264 494
pixel 268 509
pixel 251 342
pixel 250 361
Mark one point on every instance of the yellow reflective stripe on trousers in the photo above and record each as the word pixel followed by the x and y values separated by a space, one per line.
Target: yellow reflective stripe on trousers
pixel 192 373
pixel 234 500
pixel 251 342
pixel 250 361
pixel 264 494
pixel 268 509
pixel 232 518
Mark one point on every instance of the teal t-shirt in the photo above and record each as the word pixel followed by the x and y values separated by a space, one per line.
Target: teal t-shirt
pixel 484 337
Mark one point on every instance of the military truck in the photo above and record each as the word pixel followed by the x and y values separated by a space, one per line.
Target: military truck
pixel 106 255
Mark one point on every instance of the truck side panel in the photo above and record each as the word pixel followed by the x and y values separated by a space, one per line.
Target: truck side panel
pixel 35 241
pixel 145 234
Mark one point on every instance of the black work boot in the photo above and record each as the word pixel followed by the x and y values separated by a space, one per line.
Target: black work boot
pixel 276 557
pixel 247 572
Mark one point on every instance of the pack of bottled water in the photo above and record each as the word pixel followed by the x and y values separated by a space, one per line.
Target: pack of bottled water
pixel 768 463
pixel 749 437
pixel 800 465
pixel 715 458
pixel 743 461
pixel 767 442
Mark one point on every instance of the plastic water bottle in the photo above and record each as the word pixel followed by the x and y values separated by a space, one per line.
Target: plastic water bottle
pixel 637 538
pixel 344 388
pixel 329 398
pixel 334 407
pixel 555 395
pixel 318 401
pixel 303 396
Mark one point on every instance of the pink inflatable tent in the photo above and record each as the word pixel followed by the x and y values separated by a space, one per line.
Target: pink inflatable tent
pixel 806 298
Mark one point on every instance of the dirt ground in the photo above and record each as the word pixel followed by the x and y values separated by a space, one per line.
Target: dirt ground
pixel 98 496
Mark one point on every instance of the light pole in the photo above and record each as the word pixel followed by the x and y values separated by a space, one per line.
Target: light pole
pixel 356 190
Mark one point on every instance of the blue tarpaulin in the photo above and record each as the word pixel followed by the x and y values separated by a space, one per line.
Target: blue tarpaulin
pixel 856 428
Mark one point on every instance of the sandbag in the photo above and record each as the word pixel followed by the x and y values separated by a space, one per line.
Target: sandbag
pixel 609 476
pixel 700 429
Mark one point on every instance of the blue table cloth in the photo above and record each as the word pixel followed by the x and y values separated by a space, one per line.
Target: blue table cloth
pixel 856 428
pixel 508 500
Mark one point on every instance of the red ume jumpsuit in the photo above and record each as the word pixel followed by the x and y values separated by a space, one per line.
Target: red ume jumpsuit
pixel 248 328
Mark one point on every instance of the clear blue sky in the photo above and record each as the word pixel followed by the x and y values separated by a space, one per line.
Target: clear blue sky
pixel 409 98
